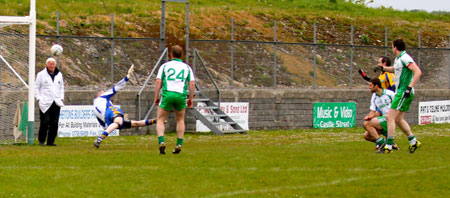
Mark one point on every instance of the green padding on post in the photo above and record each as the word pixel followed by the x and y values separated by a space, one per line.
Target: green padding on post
pixel 31 132
pixel 24 119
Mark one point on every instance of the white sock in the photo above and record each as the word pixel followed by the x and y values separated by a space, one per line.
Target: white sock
pixel 413 141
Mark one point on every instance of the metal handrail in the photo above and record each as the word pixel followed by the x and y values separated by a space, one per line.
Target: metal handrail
pixel 210 76
pixel 163 55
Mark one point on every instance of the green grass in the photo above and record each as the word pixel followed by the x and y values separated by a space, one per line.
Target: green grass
pixel 292 163
pixel 138 7
pixel 89 17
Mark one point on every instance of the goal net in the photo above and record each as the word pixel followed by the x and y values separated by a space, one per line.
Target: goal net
pixel 17 70
pixel 14 48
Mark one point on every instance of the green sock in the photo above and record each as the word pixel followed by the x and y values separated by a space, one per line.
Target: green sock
pixel 160 139
pixel 390 140
pixel 379 141
pixel 179 141
pixel 411 137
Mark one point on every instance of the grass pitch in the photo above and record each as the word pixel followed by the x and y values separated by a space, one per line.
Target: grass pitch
pixel 292 163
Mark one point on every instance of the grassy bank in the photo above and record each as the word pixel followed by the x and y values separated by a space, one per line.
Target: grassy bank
pixel 141 19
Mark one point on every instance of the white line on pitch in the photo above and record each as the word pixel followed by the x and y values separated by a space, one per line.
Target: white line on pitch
pixel 319 184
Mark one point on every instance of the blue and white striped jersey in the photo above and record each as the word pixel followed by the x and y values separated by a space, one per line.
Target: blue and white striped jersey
pixel 103 103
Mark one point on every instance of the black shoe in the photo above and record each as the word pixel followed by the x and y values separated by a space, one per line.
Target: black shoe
pixel 162 148
pixel 395 147
pixel 97 143
pixel 414 147
pixel 177 149
pixel 51 144
pixel 384 150
pixel 41 143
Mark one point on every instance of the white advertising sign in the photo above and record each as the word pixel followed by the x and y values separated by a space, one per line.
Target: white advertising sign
pixel 238 111
pixel 79 121
pixel 434 112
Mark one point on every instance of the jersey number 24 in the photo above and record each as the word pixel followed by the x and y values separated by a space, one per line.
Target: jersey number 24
pixel 179 76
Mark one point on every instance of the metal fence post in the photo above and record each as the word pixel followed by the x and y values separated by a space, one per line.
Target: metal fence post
pixel 58 64
pixel 1 82
pixel 418 59
pixel 188 51
pixel 112 49
pixel 162 34
pixel 232 53
pixel 351 57
pixel 314 58
pixel 194 61
pixel 57 26
pixel 386 41
pixel 275 53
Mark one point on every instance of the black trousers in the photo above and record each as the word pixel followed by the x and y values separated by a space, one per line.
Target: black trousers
pixel 48 128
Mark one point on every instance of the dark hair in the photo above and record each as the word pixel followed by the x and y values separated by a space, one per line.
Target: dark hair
pixel 177 51
pixel 399 44
pixel 385 59
pixel 375 82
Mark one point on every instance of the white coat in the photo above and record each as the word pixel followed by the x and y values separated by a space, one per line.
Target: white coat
pixel 47 90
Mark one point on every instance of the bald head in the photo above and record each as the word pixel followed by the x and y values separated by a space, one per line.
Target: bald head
pixel 177 51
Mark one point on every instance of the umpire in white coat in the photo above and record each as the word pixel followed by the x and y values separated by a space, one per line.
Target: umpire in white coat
pixel 49 92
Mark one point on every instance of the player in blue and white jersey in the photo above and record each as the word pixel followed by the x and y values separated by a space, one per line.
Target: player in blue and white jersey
pixel 111 117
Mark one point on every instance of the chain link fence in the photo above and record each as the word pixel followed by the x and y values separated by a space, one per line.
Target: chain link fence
pixel 313 56
pixel 308 55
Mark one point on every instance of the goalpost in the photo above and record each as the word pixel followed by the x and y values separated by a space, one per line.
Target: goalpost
pixel 17 64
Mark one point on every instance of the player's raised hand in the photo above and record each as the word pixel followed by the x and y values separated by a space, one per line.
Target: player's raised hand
pixel 130 71
pixel 363 74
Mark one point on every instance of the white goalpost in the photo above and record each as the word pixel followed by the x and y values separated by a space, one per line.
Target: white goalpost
pixel 17 64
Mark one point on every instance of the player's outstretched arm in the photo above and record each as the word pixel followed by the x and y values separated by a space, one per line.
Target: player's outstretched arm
pixel 363 74
pixel 387 69
pixel 121 84
pixel 130 71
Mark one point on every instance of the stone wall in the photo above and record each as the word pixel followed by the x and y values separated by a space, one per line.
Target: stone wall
pixel 270 109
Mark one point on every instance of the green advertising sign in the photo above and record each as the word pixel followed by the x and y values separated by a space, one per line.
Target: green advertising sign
pixel 334 114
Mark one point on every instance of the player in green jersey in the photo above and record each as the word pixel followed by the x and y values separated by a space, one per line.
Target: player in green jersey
pixel 407 74
pixel 174 78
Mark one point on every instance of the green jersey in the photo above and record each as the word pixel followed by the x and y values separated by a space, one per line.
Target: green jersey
pixel 175 76
pixel 403 75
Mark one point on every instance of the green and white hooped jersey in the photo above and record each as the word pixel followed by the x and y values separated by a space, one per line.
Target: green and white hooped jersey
pixel 382 103
pixel 403 75
pixel 175 76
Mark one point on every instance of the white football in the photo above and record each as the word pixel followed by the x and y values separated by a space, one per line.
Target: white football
pixel 56 50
